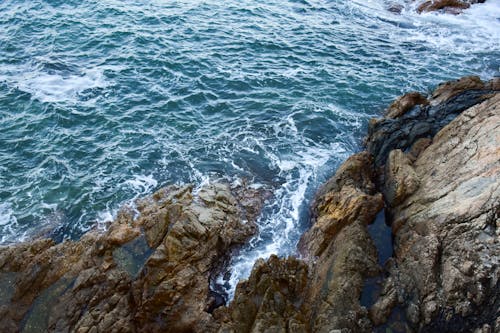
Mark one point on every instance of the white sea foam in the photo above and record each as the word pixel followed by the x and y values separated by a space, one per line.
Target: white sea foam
pixel 9 229
pixel 279 227
pixel 105 217
pixel 52 87
pixel 142 184
pixel 477 29
pixel 6 214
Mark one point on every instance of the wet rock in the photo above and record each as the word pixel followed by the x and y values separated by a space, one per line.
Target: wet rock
pixel 395 8
pixel 405 103
pixel 341 248
pixel 272 298
pixel 347 197
pixel 449 6
pixel 148 273
pixel 425 120
pixel 322 293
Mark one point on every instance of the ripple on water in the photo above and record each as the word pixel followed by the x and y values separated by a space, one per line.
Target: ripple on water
pixel 102 101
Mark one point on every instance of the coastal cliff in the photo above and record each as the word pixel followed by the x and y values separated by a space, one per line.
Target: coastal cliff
pixel 431 167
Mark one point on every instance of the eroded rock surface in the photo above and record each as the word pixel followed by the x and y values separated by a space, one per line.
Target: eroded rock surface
pixel 149 273
pixel 437 165
pixel 446 266
pixel 322 293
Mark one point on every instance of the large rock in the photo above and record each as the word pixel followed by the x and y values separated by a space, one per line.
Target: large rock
pixel 340 248
pixel 445 271
pixel 435 159
pixel 271 300
pixel 149 273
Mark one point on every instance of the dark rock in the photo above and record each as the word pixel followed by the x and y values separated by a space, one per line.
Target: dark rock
pixel 424 121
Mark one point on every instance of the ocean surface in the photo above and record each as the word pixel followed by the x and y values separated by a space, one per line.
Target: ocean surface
pixel 105 101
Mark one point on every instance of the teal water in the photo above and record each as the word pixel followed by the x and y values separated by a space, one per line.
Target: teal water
pixel 104 101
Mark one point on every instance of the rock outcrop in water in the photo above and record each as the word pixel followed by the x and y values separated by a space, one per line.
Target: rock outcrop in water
pixel 443 198
pixel 321 293
pixel 432 162
pixel 146 274
pixel 449 6
pixel 454 7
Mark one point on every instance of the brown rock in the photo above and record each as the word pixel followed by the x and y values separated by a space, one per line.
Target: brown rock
pixel 347 197
pixel 147 274
pixel 343 252
pixel 400 178
pixel 450 89
pixel 430 6
pixel 404 103
pixel 418 147
pixel 446 247
pixel 271 299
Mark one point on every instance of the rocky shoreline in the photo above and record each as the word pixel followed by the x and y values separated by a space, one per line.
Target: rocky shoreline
pixel 432 165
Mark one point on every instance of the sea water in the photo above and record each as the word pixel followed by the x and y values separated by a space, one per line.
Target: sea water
pixel 102 102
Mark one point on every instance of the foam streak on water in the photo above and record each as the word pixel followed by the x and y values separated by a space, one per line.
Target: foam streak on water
pixel 104 101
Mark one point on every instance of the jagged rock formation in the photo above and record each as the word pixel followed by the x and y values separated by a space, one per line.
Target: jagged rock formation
pixel 412 116
pixel 287 295
pixel 441 191
pixel 432 162
pixel 444 207
pixel 145 274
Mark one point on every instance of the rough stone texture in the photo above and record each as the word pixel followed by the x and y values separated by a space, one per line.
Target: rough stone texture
pixel 347 197
pixel 446 270
pixel 424 121
pixel 400 178
pixel 288 295
pixel 270 300
pixel 343 252
pixel 146 274
pixel 404 104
